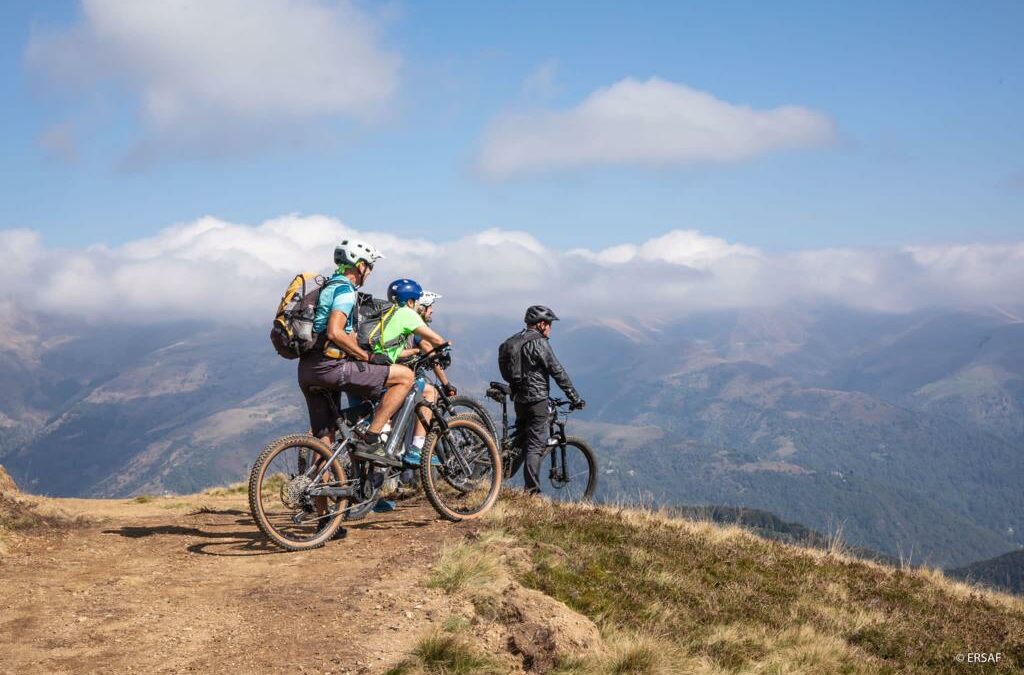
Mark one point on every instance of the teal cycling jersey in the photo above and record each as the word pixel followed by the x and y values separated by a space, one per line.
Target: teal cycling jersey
pixel 340 296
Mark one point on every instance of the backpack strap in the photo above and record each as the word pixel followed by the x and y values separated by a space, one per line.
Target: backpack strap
pixel 380 326
pixel 322 343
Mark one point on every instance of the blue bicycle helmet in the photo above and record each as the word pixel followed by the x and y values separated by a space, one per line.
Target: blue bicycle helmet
pixel 401 291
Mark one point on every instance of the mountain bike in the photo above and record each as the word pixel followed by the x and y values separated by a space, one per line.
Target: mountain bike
pixel 299 491
pixel 465 405
pixel 460 404
pixel 572 464
pixel 451 406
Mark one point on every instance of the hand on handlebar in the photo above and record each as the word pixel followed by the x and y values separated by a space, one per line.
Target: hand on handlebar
pixel 450 390
pixel 578 404
pixel 436 356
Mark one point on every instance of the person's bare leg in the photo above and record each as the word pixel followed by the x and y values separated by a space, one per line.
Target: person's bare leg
pixel 430 394
pixel 399 383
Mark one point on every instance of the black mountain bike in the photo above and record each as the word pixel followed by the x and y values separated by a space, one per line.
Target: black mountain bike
pixel 568 463
pixel 465 405
pixel 299 491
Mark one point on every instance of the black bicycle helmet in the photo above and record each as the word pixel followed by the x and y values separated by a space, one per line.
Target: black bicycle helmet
pixel 537 313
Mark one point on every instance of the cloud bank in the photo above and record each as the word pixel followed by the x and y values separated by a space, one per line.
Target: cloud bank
pixel 225 272
pixel 654 123
pixel 212 73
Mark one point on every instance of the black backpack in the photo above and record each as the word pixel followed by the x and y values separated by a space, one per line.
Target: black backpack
pixel 510 356
pixel 372 317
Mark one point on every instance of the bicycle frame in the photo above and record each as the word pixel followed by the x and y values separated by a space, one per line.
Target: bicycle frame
pixel 413 404
pixel 399 427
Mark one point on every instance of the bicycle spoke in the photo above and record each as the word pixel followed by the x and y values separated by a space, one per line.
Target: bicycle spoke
pixel 285 506
pixel 564 473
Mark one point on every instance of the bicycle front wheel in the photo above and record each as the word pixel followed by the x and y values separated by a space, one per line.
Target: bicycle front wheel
pixel 278 482
pixel 466 480
pixel 464 405
pixel 568 472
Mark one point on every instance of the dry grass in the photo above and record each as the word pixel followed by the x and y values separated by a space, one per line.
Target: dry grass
pixel 21 514
pixel 469 565
pixel 233 489
pixel 176 505
pixel 721 599
pixel 444 653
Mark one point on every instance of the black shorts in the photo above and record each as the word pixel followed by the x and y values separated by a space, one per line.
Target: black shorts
pixel 365 380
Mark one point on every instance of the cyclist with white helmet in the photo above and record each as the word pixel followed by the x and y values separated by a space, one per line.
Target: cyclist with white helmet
pixel 338 363
pixel 425 308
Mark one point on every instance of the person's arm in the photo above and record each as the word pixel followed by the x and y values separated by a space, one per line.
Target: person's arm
pixel 556 370
pixel 347 342
pixel 429 339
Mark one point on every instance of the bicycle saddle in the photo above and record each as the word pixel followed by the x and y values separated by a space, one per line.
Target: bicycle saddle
pixel 502 387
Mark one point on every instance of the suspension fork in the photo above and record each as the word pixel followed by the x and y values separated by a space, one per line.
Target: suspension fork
pixel 558 463
pixel 439 424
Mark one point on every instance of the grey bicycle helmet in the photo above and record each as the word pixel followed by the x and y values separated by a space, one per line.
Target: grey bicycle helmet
pixel 537 313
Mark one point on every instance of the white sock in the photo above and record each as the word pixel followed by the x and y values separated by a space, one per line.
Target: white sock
pixel 418 442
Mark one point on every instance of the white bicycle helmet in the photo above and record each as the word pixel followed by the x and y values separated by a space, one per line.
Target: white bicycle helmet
pixel 351 251
pixel 428 298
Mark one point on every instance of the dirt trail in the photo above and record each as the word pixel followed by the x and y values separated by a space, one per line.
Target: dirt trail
pixel 168 587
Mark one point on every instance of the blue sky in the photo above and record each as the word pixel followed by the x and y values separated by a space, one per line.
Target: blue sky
pixel 926 100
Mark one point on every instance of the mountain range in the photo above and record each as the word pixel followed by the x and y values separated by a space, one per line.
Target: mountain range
pixel 902 433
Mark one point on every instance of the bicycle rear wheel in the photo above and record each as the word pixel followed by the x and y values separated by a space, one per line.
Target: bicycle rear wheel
pixel 466 483
pixel 277 494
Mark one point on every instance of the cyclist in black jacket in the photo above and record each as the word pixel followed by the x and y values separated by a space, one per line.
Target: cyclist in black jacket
pixel 526 361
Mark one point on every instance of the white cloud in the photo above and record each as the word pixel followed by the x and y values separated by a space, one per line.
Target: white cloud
pixel 215 74
pixel 654 123
pixel 541 84
pixel 59 141
pixel 224 272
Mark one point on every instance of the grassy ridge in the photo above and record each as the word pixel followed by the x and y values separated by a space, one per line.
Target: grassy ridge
pixel 728 601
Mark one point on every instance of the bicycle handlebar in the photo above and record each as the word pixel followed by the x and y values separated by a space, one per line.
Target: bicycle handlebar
pixel 561 403
pixel 433 357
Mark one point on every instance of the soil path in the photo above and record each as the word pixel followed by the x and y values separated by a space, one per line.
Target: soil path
pixel 168 586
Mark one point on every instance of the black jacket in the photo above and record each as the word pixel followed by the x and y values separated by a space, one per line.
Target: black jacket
pixel 539 362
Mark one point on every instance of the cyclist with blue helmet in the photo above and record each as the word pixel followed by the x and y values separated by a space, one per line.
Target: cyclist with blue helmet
pixel 405 322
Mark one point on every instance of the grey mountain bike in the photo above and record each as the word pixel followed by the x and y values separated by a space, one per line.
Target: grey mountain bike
pixel 300 492
pixel 568 470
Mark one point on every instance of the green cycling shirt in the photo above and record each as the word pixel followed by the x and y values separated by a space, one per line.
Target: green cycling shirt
pixel 402 324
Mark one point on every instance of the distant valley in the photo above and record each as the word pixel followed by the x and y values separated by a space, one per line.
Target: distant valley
pixel 905 432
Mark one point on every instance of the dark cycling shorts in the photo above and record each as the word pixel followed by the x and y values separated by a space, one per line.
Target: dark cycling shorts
pixel 364 380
